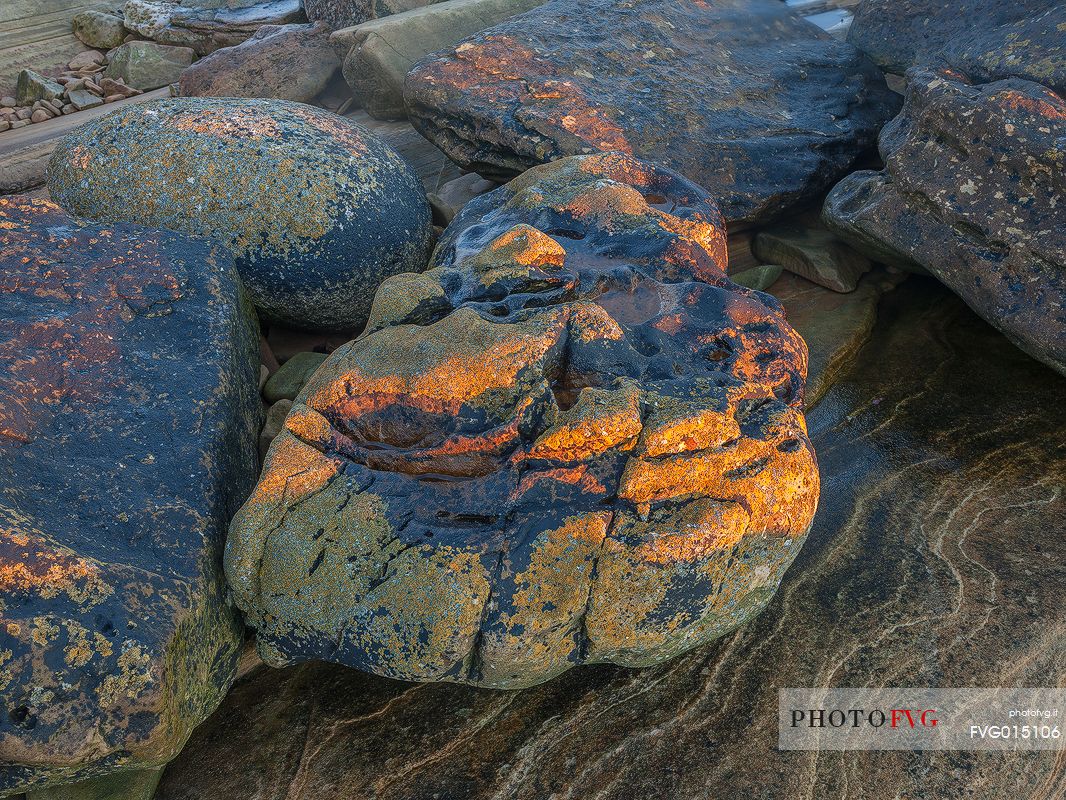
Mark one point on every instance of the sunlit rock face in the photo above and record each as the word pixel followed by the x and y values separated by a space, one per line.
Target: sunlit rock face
pixel 128 417
pixel 741 96
pixel 972 190
pixel 572 440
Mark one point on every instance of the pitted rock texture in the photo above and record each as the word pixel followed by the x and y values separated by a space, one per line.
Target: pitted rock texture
pixel 128 416
pixel 740 96
pixel 973 176
pixel 899 34
pixel 572 440
pixel 315 208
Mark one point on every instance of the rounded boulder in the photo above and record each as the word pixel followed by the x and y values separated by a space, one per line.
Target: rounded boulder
pixel 316 209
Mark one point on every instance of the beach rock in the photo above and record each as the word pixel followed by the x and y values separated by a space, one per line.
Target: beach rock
pixel 148 65
pixel 290 378
pixel 336 14
pixel 86 60
pixel 288 62
pixel 82 99
pixel 381 52
pixel 315 208
pixel 740 96
pixel 971 180
pixel 808 249
pixel 450 198
pixel 33 87
pixel 207 27
pixel 1033 48
pixel 572 440
pixel 761 277
pixel 99 29
pixel 128 417
pixel 936 559
pixel 275 422
pixel 898 34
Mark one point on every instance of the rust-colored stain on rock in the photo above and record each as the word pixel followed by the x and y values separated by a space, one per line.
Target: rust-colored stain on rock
pixel 571 440
pixel 128 415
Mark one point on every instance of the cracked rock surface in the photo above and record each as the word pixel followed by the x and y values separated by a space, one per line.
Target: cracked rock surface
pixel 572 440
pixel 128 416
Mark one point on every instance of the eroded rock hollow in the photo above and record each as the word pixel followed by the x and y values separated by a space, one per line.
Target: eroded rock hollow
pixel 572 440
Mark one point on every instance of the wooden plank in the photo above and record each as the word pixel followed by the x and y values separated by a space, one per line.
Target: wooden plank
pixel 24 153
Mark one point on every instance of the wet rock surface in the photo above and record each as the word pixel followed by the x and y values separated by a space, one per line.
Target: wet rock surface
pixel 935 559
pixel 899 34
pixel 972 175
pixel 573 440
pixel 316 209
pixel 287 62
pixel 740 96
pixel 128 416
pixel 382 51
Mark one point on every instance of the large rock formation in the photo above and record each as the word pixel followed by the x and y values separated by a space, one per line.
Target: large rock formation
pixel 936 559
pixel 898 34
pixel 382 51
pixel 316 209
pixel 287 62
pixel 573 440
pixel 128 416
pixel 749 101
pixel 972 179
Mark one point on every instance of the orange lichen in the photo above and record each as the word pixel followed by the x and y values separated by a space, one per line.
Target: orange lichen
pixel 1051 108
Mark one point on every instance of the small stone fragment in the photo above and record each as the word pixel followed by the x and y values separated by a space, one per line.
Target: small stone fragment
pixel 86 59
pixel 32 87
pixel 287 382
pixel 99 29
pixel 450 198
pixel 82 99
pixel 111 86
pixel 759 278
pixel 148 65
pixel 809 250
pixel 275 422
